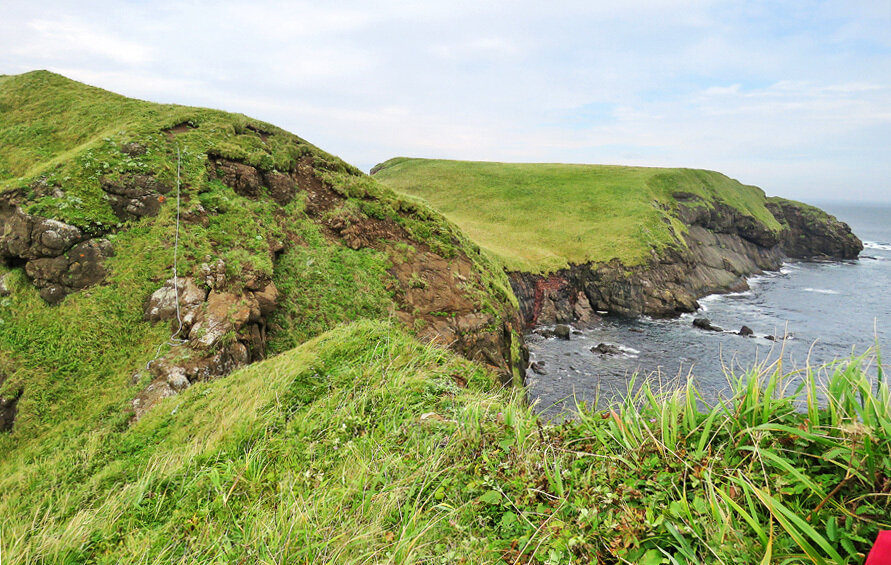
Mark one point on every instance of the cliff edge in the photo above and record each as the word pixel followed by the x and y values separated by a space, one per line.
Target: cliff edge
pixel 582 239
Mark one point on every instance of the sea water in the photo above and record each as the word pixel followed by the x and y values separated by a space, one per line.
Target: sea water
pixel 826 311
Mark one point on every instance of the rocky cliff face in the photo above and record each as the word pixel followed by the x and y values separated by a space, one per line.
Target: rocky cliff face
pixel 721 247
pixel 811 233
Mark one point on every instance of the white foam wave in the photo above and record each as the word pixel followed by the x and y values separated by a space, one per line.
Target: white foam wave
pixel 877 245
pixel 820 290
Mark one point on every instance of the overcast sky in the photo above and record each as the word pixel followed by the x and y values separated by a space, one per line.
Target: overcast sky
pixel 792 96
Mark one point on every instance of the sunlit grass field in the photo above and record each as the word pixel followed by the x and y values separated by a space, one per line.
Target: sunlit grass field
pixel 539 217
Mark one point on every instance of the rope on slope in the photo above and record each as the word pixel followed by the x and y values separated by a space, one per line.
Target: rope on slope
pixel 174 340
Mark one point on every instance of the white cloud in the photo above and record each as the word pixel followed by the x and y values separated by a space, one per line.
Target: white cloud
pixel 52 38
pixel 791 98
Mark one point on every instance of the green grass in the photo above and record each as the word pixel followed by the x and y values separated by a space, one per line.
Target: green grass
pixel 363 446
pixel 59 138
pixel 543 217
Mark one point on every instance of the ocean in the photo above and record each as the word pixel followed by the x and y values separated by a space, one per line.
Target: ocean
pixel 828 311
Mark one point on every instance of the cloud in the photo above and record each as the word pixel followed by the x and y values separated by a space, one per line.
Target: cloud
pixel 793 97
pixel 54 37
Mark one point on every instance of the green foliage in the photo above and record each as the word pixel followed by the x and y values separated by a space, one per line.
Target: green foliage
pixel 360 446
pixel 543 217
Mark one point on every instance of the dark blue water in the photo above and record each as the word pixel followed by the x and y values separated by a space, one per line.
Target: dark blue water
pixel 828 311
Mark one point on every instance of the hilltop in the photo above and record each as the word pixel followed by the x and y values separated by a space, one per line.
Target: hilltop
pixel 628 240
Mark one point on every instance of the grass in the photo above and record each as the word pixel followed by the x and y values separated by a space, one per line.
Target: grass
pixel 363 446
pixel 59 139
pixel 543 217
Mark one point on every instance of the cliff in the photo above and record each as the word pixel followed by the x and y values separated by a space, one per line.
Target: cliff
pixel 673 235
pixel 124 222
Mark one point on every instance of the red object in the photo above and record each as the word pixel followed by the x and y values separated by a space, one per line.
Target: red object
pixel 880 554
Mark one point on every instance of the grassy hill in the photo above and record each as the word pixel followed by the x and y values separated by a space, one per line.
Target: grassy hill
pixel 353 442
pixel 542 217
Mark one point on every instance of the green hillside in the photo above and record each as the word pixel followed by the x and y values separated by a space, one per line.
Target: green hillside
pixel 541 217
pixel 343 435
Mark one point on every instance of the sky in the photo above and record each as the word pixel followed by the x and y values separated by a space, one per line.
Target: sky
pixel 792 96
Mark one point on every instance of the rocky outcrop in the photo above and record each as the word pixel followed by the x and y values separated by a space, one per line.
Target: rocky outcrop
pixel 721 247
pixel 57 257
pixel 811 233
pixel 214 332
pixel 134 196
pixel 221 324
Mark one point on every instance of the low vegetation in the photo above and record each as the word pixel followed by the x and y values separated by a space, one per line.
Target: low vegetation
pixel 542 217
pixel 363 446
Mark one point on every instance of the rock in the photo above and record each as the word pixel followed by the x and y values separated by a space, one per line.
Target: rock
pixel 606 349
pixel 225 312
pixel 538 367
pixel 267 299
pixel 24 236
pixel 80 267
pixel 177 380
pixel 4 286
pixel 282 187
pixel 133 149
pixel 705 324
pixel 135 196
pixel 161 304
pixel 746 331
pixel 809 232
pixel 562 331
pixel 243 179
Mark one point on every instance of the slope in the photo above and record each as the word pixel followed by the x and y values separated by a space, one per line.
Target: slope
pixel 276 241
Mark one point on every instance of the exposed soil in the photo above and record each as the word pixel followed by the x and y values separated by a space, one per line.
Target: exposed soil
pixel 172 132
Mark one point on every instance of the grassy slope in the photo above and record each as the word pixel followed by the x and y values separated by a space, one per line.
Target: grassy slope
pixel 75 361
pixel 362 446
pixel 542 217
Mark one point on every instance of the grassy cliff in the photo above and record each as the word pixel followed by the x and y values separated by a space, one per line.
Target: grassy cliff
pixel 542 217
pixel 340 247
pixel 353 442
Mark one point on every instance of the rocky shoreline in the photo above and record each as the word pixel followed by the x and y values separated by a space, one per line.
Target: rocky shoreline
pixel 720 249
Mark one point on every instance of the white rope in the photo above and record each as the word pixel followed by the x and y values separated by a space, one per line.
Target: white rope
pixel 174 340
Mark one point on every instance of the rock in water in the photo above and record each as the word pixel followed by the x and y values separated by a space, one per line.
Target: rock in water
pixel 538 368
pixel 606 349
pixel 746 331
pixel 705 324
pixel 562 331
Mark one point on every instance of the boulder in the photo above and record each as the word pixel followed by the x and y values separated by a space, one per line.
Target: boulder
pixel 562 331
pixel 161 304
pixel 746 331
pixel 538 367
pixel 606 349
pixel 225 312
pixel 4 286
pixel 705 324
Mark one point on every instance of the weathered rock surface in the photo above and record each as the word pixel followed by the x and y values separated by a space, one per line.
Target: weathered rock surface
pixel 135 196
pixel 250 182
pixel 221 331
pixel 56 256
pixel 811 233
pixel 8 406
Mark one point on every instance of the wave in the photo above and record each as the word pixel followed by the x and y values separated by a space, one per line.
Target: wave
pixel 877 245
pixel 820 290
